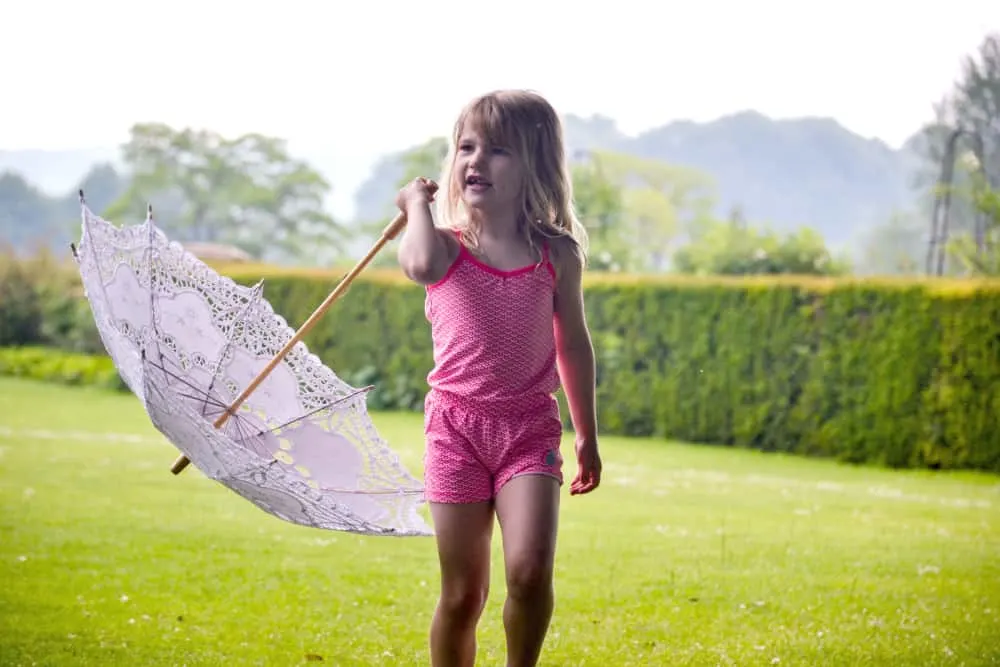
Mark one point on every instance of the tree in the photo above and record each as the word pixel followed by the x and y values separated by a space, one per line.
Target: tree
pixel 246 191
pixel 600 207
pixel 962 146
pixel 647 205
pixel 734 248
pixel 896 247
pixel 980 255
pixel 988 201
pixel 976 102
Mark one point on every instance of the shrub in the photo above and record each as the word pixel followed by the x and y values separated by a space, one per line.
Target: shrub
pixel 896 372
pixel 53 365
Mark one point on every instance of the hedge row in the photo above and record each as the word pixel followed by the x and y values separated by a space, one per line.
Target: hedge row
pixel 59 366
pixel 899 373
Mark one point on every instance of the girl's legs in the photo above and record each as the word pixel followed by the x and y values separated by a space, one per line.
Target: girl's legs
pixel 528 511
pixel 463 532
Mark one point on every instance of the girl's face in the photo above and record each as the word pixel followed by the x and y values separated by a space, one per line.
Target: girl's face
pixel 490 177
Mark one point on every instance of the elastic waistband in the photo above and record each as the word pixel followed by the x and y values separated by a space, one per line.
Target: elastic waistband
pixel 513 405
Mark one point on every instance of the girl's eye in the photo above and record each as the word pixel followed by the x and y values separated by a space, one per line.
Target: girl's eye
pixel 496 150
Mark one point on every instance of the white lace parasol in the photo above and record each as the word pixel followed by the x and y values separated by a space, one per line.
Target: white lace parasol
pixel 229 383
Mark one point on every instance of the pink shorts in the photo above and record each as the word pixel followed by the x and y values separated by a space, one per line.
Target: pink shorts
pixel 472 451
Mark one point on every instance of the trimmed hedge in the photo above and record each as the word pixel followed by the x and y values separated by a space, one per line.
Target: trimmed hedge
pixel 53 365
pixel 900 375
pixel 894 372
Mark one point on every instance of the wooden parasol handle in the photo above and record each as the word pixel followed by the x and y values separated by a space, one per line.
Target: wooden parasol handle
pixel 390 232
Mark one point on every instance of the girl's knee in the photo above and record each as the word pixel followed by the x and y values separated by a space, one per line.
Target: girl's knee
pixel 529 575
pixel 465 599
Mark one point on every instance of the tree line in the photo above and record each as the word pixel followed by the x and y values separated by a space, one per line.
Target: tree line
pixel 642 215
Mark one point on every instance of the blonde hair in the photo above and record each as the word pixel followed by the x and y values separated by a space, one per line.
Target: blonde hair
pixel 526 123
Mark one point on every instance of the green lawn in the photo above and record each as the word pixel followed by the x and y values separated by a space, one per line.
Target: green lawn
pixel 686 556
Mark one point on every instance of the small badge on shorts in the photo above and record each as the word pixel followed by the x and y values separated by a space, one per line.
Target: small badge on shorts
pixel 550 458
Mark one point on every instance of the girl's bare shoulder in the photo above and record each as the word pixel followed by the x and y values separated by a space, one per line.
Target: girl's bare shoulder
pixel 566 257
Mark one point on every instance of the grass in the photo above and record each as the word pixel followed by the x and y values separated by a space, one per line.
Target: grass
pixel 686 556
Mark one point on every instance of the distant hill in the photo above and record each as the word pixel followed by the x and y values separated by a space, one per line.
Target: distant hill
pixel 785 173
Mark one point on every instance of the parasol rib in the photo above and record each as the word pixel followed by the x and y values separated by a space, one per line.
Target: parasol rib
pixel 389 233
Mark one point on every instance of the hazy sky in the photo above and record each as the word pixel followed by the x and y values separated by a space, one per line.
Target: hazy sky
pixel 362 79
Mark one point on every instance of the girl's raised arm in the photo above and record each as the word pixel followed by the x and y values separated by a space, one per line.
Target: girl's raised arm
pixel 425 252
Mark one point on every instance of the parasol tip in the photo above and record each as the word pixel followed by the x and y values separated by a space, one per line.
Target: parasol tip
pixel 82 198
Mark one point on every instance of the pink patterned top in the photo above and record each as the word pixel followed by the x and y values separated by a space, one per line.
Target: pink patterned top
pixel 492 331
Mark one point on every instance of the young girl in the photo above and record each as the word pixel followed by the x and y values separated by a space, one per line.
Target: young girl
pixel 505 304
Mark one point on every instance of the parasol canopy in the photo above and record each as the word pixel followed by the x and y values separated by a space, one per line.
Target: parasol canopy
pixel 231 385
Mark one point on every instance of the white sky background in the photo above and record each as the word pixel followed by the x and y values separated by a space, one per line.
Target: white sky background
pixel 361 79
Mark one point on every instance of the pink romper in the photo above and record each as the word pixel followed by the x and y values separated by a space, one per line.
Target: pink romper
pixel 490 413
